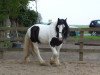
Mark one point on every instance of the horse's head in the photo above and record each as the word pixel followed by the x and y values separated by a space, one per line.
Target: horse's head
pixel 62 29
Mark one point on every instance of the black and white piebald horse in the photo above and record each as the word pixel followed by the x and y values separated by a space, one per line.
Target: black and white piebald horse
pixel 52 34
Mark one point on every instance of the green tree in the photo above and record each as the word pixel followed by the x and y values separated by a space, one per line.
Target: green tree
pixel 16 12
pixel 27 17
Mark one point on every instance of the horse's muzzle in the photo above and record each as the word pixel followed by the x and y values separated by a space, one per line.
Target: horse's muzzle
pixel 60 39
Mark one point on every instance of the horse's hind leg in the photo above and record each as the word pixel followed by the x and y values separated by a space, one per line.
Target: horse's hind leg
pixel 26 49
pixel 42 62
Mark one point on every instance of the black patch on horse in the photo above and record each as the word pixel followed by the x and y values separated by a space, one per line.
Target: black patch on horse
pixel 65 31
pixel 55 42
pixel 35 34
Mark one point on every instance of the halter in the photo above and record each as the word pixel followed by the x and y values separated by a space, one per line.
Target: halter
pixel 59 32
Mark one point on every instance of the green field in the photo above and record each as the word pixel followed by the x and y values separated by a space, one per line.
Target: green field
pixel 89 37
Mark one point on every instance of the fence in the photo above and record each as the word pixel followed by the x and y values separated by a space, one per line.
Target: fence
pixel 81 40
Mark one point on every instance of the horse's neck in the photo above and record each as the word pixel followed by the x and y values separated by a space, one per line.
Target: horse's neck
pixel 53 25
pixel 52 29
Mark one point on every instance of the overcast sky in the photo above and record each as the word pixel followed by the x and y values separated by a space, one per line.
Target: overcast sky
pixel 76 11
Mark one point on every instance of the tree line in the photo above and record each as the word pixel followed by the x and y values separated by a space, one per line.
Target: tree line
pixel 16 13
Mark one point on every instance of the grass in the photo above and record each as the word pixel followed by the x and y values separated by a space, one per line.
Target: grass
pixel 92 37
pixel 86 32
pixel 82 26
pixel 89 37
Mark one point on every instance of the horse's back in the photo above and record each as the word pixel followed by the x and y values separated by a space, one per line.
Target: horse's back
pixel 43 32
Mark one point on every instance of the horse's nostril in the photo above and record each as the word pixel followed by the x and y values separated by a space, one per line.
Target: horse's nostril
pixel 60 39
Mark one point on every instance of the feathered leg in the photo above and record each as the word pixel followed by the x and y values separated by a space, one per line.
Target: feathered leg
pixel 26 49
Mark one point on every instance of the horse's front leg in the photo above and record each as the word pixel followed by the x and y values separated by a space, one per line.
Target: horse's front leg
pixel 58 50
pixel 55 58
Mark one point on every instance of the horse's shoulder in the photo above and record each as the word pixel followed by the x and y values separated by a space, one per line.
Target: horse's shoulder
pixel 55 42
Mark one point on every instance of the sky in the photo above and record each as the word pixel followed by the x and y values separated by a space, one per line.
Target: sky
pixel 77 12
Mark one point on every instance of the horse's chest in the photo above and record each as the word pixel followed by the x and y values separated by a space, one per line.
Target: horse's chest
pixel 55 42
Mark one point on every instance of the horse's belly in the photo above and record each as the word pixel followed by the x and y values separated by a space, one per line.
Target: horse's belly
pixel 44 37
pixel 44 40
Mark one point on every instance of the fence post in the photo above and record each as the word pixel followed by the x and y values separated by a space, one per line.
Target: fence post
pixel 1 54
pixel 81 46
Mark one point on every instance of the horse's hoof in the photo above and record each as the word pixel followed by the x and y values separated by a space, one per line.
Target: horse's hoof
pixel 44 64
pixel 25 61
pixel 54 63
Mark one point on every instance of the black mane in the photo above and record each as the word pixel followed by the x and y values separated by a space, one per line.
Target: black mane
pixel 65 31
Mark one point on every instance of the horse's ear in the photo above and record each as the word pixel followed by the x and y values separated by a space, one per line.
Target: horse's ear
pixel 66 19
pixel 58 19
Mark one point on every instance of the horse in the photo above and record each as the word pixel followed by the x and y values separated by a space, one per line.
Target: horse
pixel 53 35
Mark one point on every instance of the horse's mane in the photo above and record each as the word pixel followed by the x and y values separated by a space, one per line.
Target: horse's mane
pixel 66 31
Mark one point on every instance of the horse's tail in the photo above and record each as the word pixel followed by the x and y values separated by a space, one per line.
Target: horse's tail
pixel 27 45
